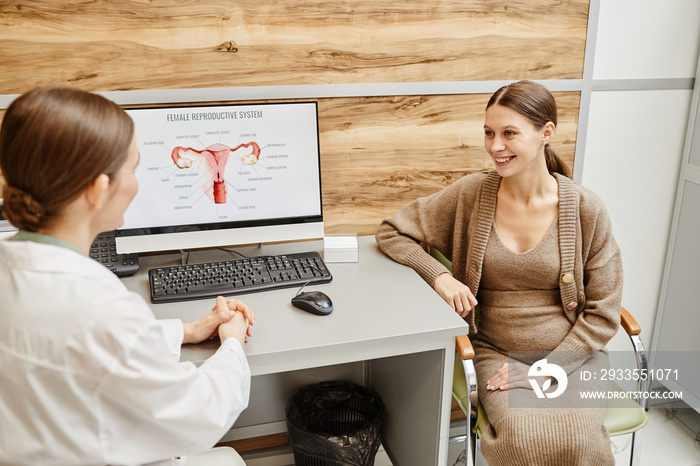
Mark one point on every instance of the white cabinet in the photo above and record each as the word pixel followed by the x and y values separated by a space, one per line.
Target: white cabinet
pixel 676 340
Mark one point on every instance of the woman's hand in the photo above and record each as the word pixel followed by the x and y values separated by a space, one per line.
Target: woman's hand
pixel 222 312
pixel 455 293
pixel 510 375
pixel 237 306
pixel 239 326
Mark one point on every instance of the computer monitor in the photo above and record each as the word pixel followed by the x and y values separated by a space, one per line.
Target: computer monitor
pixel 223 175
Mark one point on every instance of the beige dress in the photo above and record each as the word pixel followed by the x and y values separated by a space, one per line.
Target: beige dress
pixel 519 298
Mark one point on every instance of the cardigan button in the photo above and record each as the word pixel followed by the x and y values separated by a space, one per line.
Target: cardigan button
pixel 572 305
pixel 567 278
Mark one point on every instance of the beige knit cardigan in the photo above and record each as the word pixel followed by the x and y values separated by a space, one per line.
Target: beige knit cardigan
pixel 458 220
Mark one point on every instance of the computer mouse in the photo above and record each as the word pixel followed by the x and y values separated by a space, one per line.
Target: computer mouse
pixel 314 302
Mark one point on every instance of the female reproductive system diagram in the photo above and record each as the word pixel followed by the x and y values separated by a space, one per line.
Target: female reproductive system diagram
pixel 227 177
pixel 211 163
pixel 204 164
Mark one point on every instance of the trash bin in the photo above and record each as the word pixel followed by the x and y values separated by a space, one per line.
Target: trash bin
pixel 334 423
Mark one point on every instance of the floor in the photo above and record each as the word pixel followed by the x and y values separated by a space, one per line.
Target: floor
pixel 671 438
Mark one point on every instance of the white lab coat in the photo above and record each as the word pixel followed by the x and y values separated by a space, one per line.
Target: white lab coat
pixel 89 376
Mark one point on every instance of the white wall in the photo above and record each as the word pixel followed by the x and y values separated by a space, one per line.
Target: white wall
pixel 634 140
pixel 633 153
pixel 647 39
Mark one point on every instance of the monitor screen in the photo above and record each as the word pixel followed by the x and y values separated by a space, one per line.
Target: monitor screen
pixel 221 175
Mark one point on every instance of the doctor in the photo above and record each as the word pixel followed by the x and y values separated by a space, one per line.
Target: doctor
pixel 87 374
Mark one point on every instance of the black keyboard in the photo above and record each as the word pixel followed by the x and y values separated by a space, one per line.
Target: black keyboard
pixel 104 251
pixel 236 276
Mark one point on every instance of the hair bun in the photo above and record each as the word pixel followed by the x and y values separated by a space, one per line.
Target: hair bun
pixel 22 210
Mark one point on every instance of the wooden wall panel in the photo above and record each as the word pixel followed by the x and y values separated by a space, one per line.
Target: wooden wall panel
pixel 380 153
pixel 163 44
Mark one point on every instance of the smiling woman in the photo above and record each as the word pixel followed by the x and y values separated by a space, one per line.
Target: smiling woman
pixel 520 122
pixel 513 142
pixel 536 105
pixel 535 250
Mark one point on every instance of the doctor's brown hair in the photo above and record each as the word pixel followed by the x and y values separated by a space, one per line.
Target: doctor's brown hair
pixel 54 142
pixel 534 102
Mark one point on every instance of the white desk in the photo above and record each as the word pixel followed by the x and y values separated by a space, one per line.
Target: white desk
pixel 389 330
pixel 6 229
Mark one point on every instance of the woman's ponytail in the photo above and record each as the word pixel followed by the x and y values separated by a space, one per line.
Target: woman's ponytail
pixel 554 163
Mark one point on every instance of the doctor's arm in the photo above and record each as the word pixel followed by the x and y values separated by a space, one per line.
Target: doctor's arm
pixel 148 400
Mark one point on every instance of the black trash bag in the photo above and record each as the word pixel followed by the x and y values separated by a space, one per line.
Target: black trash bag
pixel 334 423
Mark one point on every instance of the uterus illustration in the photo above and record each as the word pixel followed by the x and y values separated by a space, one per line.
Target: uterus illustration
pixel 215 156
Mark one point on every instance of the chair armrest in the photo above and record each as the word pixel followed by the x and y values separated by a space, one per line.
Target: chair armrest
pixel 464 347
pixel 629 323
pixel 633 330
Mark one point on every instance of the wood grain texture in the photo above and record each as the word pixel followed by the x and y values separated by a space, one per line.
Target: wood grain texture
pixel 160 44
pixel 380 153
pixel 257 444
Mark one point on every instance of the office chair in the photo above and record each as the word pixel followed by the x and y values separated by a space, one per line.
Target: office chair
pixel 623 415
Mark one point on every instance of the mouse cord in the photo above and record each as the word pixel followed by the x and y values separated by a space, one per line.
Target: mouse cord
pixel 310 281
pixel 302 287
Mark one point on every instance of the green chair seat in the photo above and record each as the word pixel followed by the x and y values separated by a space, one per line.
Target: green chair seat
pixel 623 415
